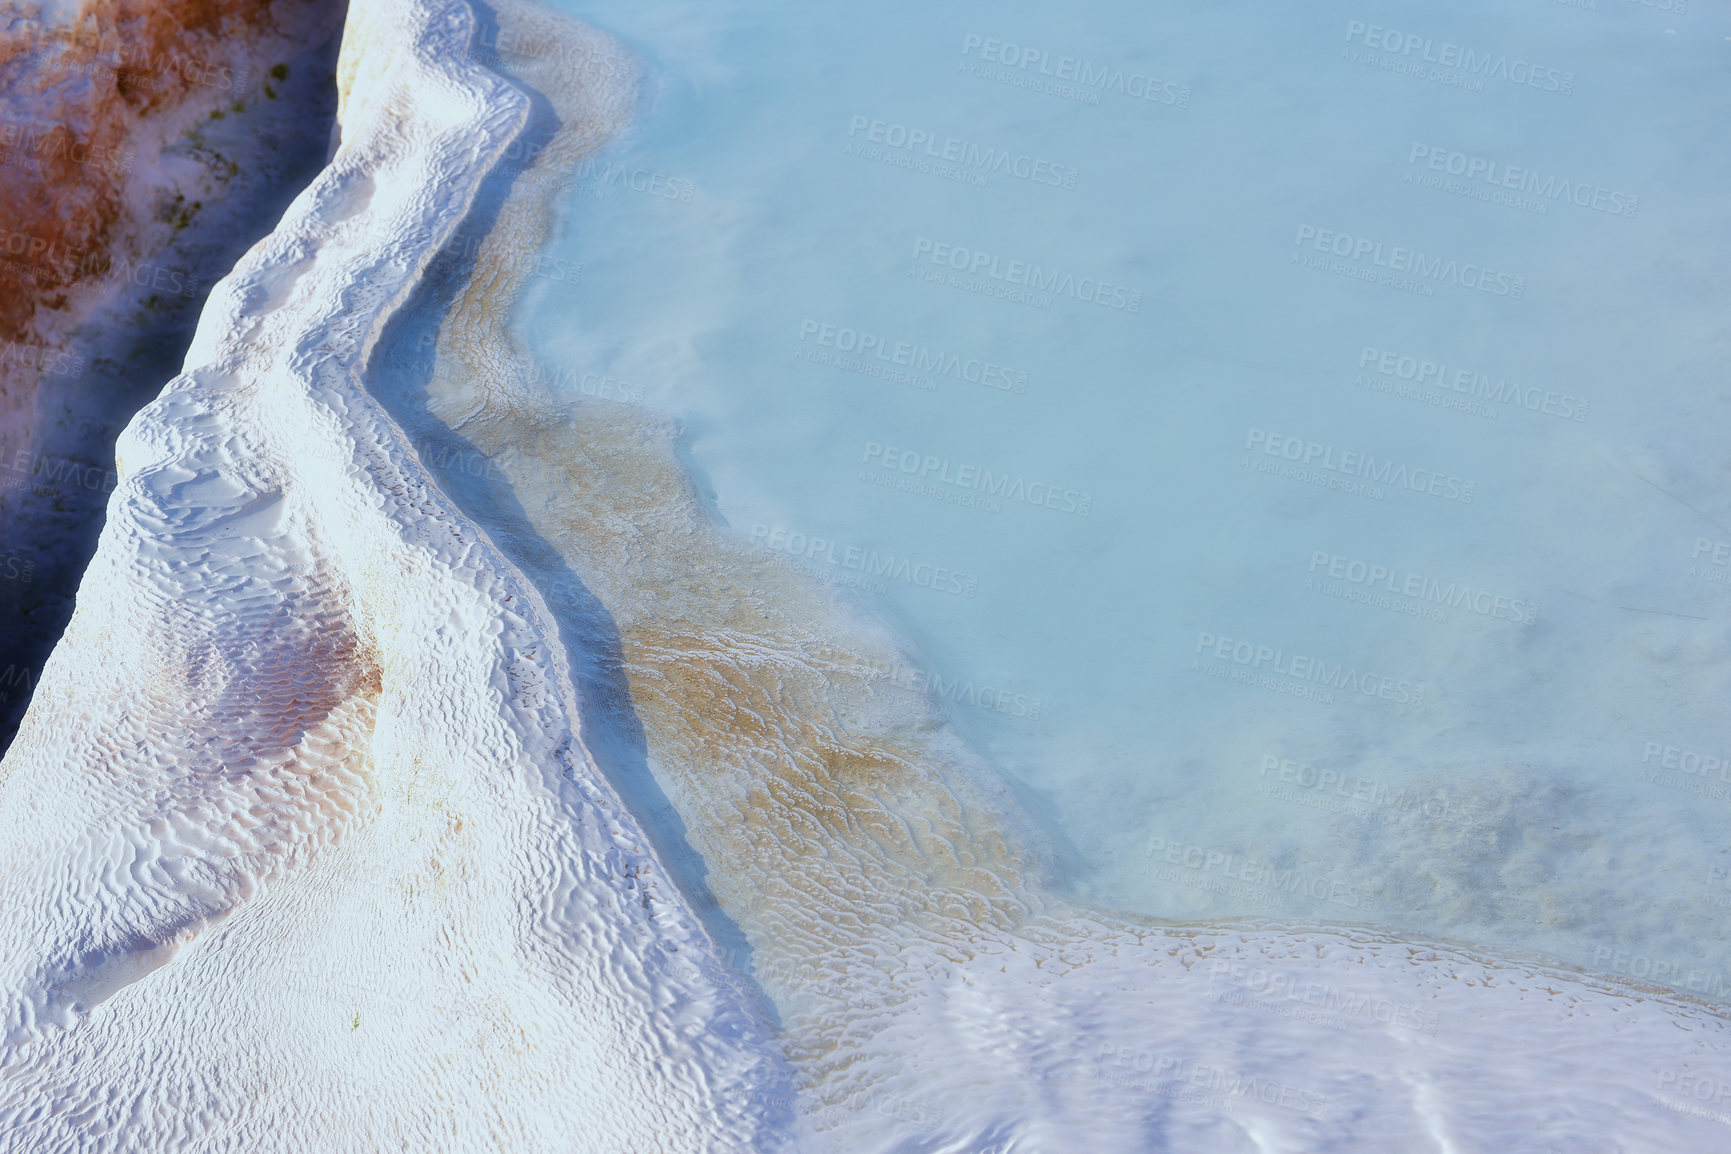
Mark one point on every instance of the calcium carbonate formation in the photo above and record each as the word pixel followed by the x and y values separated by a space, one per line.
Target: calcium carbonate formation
pixel 306 843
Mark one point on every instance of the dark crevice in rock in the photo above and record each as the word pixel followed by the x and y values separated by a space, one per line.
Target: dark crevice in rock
pixel 257 150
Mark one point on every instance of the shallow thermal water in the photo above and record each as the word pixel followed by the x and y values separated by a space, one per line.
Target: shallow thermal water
pixel 1357 552
pixel 993 583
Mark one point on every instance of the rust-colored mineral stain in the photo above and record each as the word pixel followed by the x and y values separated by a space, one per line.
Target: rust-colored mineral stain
pixel 73 98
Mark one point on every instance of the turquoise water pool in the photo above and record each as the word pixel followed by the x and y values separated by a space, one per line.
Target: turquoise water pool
pixel 1289 442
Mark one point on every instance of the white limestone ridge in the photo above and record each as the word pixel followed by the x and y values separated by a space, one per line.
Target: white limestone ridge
pixel 301 848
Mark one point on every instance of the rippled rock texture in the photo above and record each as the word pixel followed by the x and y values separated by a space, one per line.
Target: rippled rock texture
pixel 144 144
